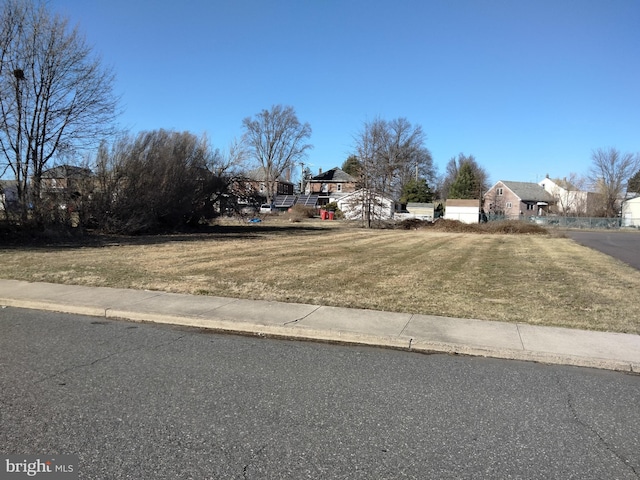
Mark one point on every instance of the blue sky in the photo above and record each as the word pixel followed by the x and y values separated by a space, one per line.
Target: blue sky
pixel 527 87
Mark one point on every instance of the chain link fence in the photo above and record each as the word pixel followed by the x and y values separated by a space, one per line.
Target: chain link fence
pixel 576 222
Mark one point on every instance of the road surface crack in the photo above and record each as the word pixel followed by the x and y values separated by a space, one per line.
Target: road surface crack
pixel 253 456
pixel 586 426
pixel 106 357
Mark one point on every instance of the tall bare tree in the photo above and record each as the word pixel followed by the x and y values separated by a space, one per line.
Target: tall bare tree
pixel 277 142
pixel 610 172
pixel 408 158
pixel 228 169
pixel 391 153
pixel 370 144
pixel 55 95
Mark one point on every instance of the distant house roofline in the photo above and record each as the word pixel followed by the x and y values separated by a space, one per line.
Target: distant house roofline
pixel 335 174
pixel 527 191
pixel 67 171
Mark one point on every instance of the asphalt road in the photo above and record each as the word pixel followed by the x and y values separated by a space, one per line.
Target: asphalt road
pixel 138 401
pixel 624 246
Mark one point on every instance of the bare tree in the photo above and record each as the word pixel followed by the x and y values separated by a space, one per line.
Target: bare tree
pixel 370 145
pixel 390 153
pixel 408 158
pixel 277 141
pixel 55 96
pixel 228 169
pixel 610 172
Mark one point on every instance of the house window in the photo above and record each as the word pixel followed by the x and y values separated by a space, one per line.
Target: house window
pixel 261 187
pixel 499 190
pixel 325 187
pixel 509 205
pixel 529 206
pixel 339 187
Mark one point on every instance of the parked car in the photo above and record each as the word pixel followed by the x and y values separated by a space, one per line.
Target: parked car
pixel 266 208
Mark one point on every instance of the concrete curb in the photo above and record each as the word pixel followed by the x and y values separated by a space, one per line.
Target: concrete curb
pixel 301 332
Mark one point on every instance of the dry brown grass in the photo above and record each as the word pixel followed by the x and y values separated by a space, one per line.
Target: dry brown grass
pixel 530 278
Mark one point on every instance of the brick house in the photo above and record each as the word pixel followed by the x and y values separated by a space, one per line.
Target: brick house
pixel 516 199
pixel 66 186
pixel 256 181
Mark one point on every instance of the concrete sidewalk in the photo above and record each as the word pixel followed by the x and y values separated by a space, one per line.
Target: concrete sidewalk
pixel 419 333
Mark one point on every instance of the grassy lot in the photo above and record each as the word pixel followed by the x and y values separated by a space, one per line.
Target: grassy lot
pixel 537 279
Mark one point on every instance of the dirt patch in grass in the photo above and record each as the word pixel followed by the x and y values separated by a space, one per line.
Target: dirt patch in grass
pixel 531 278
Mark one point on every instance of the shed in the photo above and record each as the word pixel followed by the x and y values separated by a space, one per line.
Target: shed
pixel 423 211
pixel 631 213
pixel 465 211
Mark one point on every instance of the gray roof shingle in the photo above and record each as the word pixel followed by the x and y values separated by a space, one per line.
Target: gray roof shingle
pixel 527 191
pixel 334 175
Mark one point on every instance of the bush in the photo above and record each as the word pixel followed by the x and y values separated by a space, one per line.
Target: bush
pixel 297 213
pixel 500 227
pixel 155 182
pixel 333 207
pixel 514 227
pixel 413 224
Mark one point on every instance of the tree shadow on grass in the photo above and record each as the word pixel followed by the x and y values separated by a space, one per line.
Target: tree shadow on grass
pixel 74 238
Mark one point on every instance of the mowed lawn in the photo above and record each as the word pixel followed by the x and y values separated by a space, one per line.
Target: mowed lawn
pixel 537 279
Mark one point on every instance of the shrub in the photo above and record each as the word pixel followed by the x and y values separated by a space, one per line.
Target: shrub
pixel 333 207
pixel 413 224
pixel 501 227
pixel 297 213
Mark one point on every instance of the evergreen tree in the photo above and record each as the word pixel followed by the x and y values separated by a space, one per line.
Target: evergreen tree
pixel 416 191
pixel 634 183
pixel 465 186
pixel 352 166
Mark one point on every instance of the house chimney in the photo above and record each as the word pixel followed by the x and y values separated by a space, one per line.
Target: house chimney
pixel 319 171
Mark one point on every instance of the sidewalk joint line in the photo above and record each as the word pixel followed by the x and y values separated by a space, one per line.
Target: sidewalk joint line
pixel 302 318
pixel 520 335
pixel 405 327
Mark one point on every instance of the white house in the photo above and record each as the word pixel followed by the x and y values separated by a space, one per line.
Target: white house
pixel 354 205
pixel 465 211
pixel 631 213
pixel 569 199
